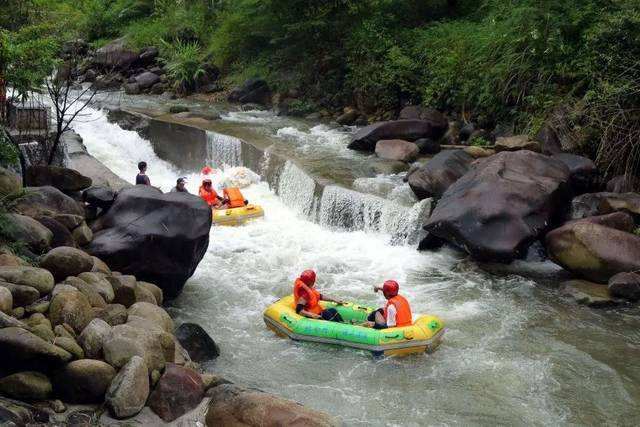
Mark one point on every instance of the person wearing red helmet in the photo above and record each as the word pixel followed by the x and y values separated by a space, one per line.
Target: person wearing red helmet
pixel 209 194
pixel 307 299
pixel 397 311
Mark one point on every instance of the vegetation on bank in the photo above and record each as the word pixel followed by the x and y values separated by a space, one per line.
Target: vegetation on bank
pixel 512 63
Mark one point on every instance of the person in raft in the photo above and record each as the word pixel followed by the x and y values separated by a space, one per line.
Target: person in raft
pixel 233 198
pixel 210 195
pixel 142 178
pixel 396 313
pixel 307 299
pixel 180 186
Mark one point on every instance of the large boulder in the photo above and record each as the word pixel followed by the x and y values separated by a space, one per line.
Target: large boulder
pixel 27 385
pixel 170 405
pixel 126 341
pixel 129 390
pixel 409 130
pixel 99 196
pixel 593 251
pixel 159 238
pixel 65 261
pixel 89 291
pixel 64 179
pixel 445 168
pixel 625 285
pixel 200 346
pixel 116 55
pixel 397 149
pixel 504 203
pixel 21 350
pixel 61 234
pixel 593 204
pixel 251 91
pixel 146 80
pixel 37 278
pixel 22 295
pixel 113 314
pixel 28 231
pixel 46 201
pixel 83 381
pixel 418 112
pixel 72 308
pixel 583 171
pixel 231 405
pixel 124 288
pixel 10 183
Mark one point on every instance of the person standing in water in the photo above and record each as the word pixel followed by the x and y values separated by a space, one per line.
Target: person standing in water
pixel 142 178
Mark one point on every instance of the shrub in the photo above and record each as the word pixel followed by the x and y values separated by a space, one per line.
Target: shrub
pixel 183 63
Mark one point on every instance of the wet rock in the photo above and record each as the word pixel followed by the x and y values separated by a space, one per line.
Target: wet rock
pixel 115 55
pixel 409 130
pixel 126 341
pixel 28 385
pixel 93 337
pixel 165 243
pixel 60 234
pixel 99 196
pixel 6 301
pixel 168 404
pixel 29 231
pixel 89 291
pixel 21 350
pixel 37 278
pixel 154 313
pixel 479 152
pixel 397 149
pixel 251 91
pixel 46 201
pixel 593 204
pixel 587 293
pixel 72 308
pixel 124 288
pixel 623 184
pixel 428 146
pixel 69 344
pixel 69 221
pixel 626 286
pixel 444 169
pixel 64 261
pixel 515 143
pixel 199 345
pixel 10 183
pixel 17 413
pixel 64 179
pixel 114 314
pixel 129 390
pixel 153 289
pixel 233 405
pixel 504 203
pixel 594 251
pixel 83 381
pixel 583 171
pixel 82 235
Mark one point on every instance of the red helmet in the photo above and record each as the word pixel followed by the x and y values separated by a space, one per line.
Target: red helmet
pixel 308 277
pixel 390 288
pixel 206 170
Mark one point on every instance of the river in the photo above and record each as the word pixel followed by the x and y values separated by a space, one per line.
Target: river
pixel 515 353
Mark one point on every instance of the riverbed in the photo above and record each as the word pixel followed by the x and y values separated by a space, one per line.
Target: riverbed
pixel 515 353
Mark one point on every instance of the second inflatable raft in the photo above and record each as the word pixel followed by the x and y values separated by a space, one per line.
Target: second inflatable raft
pixel 237 216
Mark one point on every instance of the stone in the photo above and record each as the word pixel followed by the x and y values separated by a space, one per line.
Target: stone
pixel 64 179
pixel 6 301
pixel 99 196
pixel 168 404
pixel 93 337
pixel 17 413
pixel 89 291
pixel 64 261
pixel 212 380
pixel 39 306
pixel 129 390
pixel 132 88
pixel 83 381
pixel 587 293
pixel 124 288
pixel 195 340
pixel 57 406
pixel 70 345
pixel 165 243
pixel 409 130
pixel 397 149
pixel 62 287
pixel 29 385
pixel 623 184
pixel 626 286
pixel 428 146
pixel 593 204
pixel 115 55
pixel 548 139
pixel 154 290
pixel 503 204
pixel 583 172
pixel 515 143
pixel 251 91
pixel 126 341
pixel 21 350
pixel 61 331
pixel 69 221
pixel 479 152
pixel 622 221
pixel 10 183
pixel 46 201
pixel 100 266
pixel 61 236
pixel 154 313
pixel 29 231
pixel 348 117
pixel 418 112
pixel 231 405
pixel 113 314
pixel 10 260
pixel 439 173
pixel 144 295
pixel 18 312
pixel 82 235
pixel 43 331
pixel 147 79
pixel 593 251
pixel 99 283
pixel 7 321
pixel 37 278
pixel 72 308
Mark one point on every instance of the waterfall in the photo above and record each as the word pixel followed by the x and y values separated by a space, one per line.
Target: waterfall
pixel 224 150
pixel 296 189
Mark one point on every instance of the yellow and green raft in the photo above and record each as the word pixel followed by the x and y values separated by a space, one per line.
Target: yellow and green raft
pixel 237 216
pixel 425 335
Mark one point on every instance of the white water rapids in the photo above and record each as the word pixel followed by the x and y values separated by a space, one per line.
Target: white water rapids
pixel 514 353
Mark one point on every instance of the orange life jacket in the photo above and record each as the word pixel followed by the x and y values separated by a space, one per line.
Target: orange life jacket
pixel 403 311
pixel 235 197
pixel 311 295
pixel 209 196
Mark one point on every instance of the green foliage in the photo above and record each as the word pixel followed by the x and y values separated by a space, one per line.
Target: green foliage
pixel 8 152
pixel 479 141
pixel 183 63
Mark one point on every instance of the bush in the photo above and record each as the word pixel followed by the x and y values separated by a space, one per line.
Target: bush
pixel 183 63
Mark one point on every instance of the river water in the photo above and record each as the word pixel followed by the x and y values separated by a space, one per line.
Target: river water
pixel 515 353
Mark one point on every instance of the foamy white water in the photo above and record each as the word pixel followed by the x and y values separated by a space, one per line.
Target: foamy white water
pixel 513 354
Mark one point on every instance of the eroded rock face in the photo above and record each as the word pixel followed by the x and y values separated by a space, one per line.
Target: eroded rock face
pixel 159 238
pixel 129 390
pixel 504 203
pixel 409 130
pixel 170 405
pixel 437 175
pixel 83 381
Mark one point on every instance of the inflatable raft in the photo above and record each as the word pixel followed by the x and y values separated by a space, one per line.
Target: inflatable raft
pixel 424 335
pixel 237 216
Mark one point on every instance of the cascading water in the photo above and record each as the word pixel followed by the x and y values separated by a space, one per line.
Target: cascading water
pixel 224 149
pixel 514 353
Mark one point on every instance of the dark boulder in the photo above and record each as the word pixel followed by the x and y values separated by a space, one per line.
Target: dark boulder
pixel 445 168
pixel 61 234
pixel 503 204
pixel 132 89
pixel 148 55
pixel 252 91
pixel 583 171
pixel 200 346
pixel 549 141
pixel 170 405
pixel 46 201
pixel 116 55
pixel 593 204
pixel 159 238
pixel 409 130
pixel 418 112
pixel 23 351
pixel 17 413
pixel 465 132
pixel 348 117
pixel 99 197
pixel 147 79
pixel 428 146
pixel 64 179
